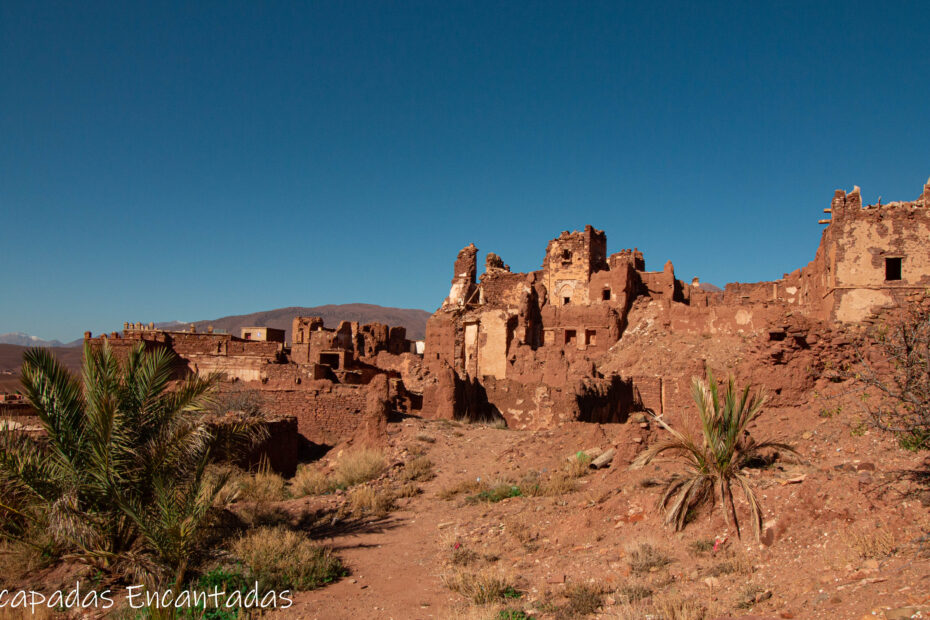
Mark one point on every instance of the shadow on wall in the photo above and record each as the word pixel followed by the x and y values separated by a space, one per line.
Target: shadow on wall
pixel 607 404
pixel 476 406
pixel 308 451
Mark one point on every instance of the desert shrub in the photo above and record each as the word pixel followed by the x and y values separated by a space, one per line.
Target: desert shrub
pixel 463 487
pixel 263 486
pixel 480 587
pixel 667 606
pixel 730 563
pixel 366 500
pixel 559 483
pixel 632 592
pixel 359 466
pixel 410 489
pixel 419 468
pixel 578 465
pixel 713 462
pixel 702 545
pixel 119 479
pixel 280 559
pixel 583 599
pixel 677 607
pixel 872 542
pixel 894 364
pixel 462 555
pixel 645 556
pixel 496 493
pixel 426 438
pixel 310 480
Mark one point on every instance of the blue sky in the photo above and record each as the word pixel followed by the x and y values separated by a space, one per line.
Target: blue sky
pixel 192 160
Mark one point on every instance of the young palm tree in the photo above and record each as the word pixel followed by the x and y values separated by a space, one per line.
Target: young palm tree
pixel 713 461
pixel 118 482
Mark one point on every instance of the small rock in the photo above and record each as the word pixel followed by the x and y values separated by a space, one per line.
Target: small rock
pixel 712 582
pixel 556 579
pixel 807 435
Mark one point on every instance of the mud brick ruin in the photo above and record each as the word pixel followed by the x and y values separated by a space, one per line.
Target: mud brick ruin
pixel 590 336
pixel 530 347
pixel 328 381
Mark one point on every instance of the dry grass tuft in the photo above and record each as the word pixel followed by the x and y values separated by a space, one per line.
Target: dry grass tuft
pixel 465 486
pixel 559 483
pixel 359 466
pixel 872 543
pixel 426 438
pixel 481 587
pixel 368 500
pixel 668 606
pixel 410 489
pixel 419 469
pixel 262 486
pixel 280 558
pixel 230 491
pixel 645 557
pixel 578 465
pixel 632 592
pixel 701 546
pixel 521 530
pixel 731 563
pixel 311 480
pixel 584 599
pixel 497 492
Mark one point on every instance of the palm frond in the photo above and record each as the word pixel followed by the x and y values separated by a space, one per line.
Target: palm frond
pixel 712 461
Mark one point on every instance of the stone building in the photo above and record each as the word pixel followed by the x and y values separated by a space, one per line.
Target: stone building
pixel 266 334
pixel 524 346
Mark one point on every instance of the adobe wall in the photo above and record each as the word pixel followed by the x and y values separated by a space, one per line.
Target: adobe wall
pixel 859 241
pixel 550 327
pixel 326 414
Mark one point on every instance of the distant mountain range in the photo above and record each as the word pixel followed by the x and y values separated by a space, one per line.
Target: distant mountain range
pixel 25 340
pixel 411 318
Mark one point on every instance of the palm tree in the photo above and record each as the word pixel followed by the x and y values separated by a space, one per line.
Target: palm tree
pixel 713 463
pixel 119 480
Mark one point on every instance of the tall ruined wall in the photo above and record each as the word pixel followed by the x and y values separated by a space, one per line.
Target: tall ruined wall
pixel 550 328
pixel 861 245
pixel 570 260
pixel 522 329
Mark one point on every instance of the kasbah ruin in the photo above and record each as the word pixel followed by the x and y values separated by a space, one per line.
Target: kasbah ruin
pixel 520 371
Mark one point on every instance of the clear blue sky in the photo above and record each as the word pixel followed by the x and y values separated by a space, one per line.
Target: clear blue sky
pixel 191 160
